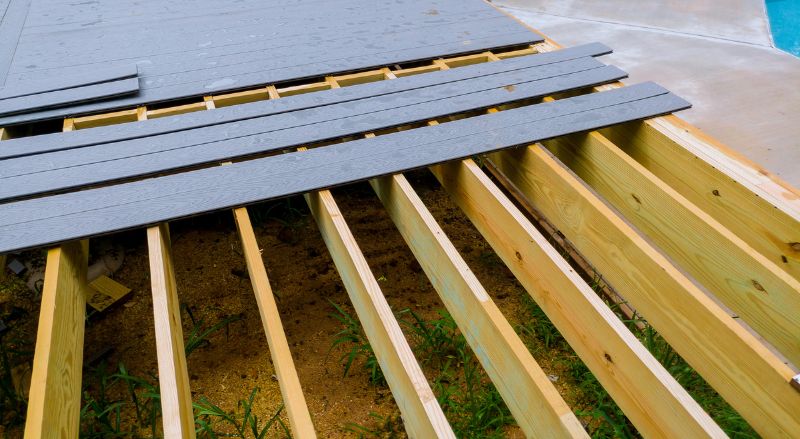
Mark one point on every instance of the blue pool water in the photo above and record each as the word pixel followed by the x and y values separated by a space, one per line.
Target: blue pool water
pixel 784 21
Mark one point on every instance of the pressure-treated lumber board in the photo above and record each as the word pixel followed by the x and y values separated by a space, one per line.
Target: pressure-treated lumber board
pixel 54 403
pixel 58 141
pixel 96 76
pixel 67 97
pixel 422 415
pixel 745 373
pixel 173 376
pixel 533 400
pixel 36 222
pixel 762 294
pixel 291 391
pixel 42 173
pixel 656 404
pixel 754 204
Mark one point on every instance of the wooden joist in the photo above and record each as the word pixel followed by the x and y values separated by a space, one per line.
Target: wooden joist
pixel 654 402
pixel 754 204
pixel 762 294
pixel 55 394
pixel 291 391
pixel 751 378
pixel 422 415
pixel 173 376
pixel 533 400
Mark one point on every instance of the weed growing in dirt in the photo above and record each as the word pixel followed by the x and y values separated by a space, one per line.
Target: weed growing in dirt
pixel 199 334
pixel 13 404
pixel 385 427
pixel 241 422
pixel 352 335
pixel 468 398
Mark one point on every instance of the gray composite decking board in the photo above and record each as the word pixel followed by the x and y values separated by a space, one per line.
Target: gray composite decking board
pixel 281 75
pixel 69 96
pixel 81 138
pixel 11 25
pixel 95 165
pixel 59 218
pixel 176 69
pixel 199 12
pixel 61 82
pixel 318 25
pixel 410 105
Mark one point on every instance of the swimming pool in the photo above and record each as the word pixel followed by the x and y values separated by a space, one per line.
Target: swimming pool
pixel 784 22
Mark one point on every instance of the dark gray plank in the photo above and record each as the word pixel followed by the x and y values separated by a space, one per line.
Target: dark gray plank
pixel 75 139
pixel 105 163
pixel 70 96
pixel 59 82
pixel 278 75
pixel 77 215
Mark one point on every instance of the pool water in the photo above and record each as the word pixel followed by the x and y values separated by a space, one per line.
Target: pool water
pixel 784 22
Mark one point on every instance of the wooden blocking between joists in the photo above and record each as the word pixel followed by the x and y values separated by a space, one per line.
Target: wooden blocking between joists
pixel 55 396
pixel 292 392
pixel 648 395
pixel 422 415
pixel 745 373
pixel 533 400
pixel 173 376
pixel 755 288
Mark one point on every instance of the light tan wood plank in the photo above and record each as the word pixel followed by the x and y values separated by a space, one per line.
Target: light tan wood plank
pixel 422 415
pixel 656 404
pixel 173 376
pixel 54 403
pixel 533 400
pixel 292 392
pixel 753 204
pixel 762 294
pixel 751 378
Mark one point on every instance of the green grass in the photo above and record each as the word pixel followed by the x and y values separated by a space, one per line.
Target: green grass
pixel 469 400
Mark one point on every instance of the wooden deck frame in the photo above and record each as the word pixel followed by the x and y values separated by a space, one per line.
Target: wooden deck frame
pixel 762 294
pixel 291 391
pixel 651 398
pixel 422 415
pixel 530 396
pixel 750 377
pixel 755 206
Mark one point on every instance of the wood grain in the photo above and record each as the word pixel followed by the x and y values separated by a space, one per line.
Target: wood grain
pixel 654 402
pixel 762 294
pixel 54 403
pixel 745 373
pixel 173 376
pixel 422 415
pixel 291 391
pixel 533 400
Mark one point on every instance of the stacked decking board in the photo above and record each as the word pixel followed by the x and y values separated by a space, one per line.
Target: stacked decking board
pixel 193 48
pixel 251 130
pixel 65 186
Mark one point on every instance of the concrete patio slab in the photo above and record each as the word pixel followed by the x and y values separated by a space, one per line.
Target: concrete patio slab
pixel 716 54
